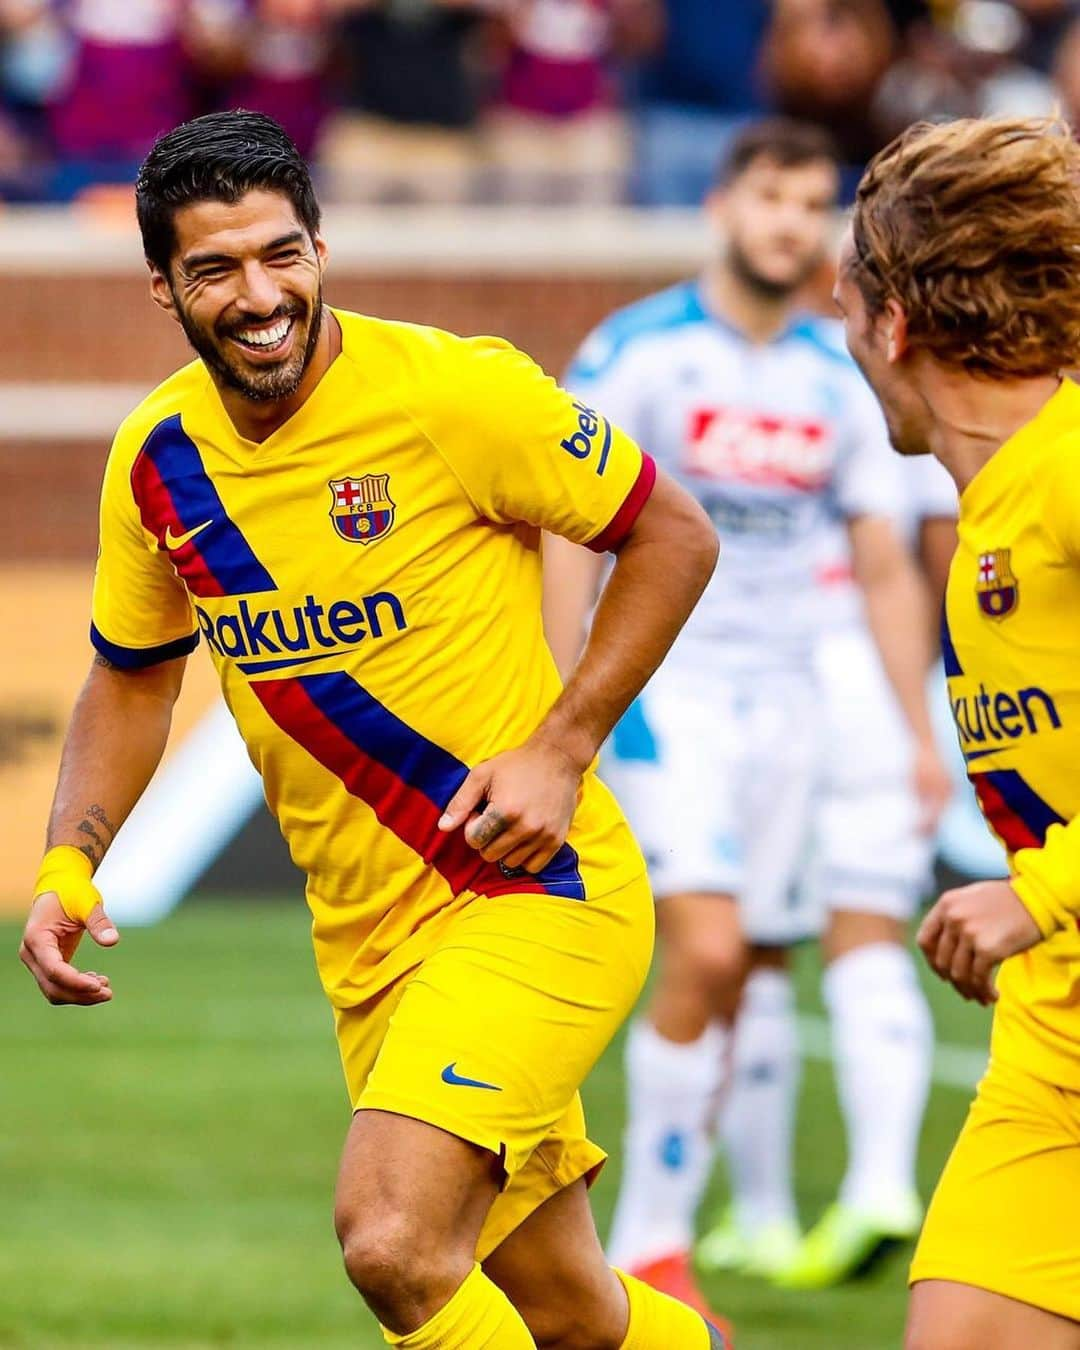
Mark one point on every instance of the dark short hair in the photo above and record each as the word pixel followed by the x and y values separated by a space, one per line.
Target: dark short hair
pixel 219 157
pixel 784 140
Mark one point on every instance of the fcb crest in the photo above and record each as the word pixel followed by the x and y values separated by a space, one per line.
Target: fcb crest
pixel 363 509
pixel 996 588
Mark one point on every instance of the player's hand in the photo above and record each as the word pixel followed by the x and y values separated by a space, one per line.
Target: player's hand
pixel 971 930
pixel 933 785
pixel 517 807
pixel 49 942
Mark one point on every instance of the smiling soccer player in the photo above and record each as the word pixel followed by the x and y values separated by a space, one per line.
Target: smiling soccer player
pixel 960 286
pixel 348 511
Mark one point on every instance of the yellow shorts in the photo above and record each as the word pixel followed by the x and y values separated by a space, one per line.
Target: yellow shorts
pixel 1004 1215
pixel 492 1035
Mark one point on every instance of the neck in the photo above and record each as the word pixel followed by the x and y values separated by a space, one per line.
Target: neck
pixel 255 421
pixel 972 418
pixel 758 315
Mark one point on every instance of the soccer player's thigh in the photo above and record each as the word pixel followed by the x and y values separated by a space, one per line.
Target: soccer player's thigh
pixel 780 773
pixel 1002 1224
pixel 496 1031
pixel 872 860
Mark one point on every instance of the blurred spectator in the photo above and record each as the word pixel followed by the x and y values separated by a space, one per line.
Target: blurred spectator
pixel 555 132
pixel 34 57
pixel 409 90
pixel 1048 24
pixel 824 60
pixel 970 64
pixel 274 57
pixel 702 85
pixel 132 76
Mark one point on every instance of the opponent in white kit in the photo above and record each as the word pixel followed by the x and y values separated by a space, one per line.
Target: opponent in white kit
pixel 721 762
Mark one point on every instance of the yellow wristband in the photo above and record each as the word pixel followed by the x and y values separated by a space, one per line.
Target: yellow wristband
pixel 66 871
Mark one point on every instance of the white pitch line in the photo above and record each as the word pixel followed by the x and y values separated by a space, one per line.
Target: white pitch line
pixel 955 1066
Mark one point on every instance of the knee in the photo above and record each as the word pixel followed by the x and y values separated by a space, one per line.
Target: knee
pixel 714 965
pixel 387 1258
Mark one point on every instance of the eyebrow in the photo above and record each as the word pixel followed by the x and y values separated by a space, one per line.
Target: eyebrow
pixel 207 259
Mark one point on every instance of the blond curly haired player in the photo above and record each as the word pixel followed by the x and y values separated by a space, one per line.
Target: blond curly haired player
pixel 960 287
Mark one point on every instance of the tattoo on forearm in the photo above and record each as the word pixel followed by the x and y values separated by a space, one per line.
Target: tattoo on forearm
pixel 95 851
pixel 490 825
pixel 86 828
pixel 96 813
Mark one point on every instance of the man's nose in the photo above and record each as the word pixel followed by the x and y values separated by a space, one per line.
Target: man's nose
pixel 260 293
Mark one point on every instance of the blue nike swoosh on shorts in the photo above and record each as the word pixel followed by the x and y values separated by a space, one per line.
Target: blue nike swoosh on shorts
pixel 456 1080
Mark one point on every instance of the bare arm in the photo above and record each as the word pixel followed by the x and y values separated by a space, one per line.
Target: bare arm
pixel 897 614
pixel 517 806
pixel 115 740
pixel 571 581
pixel 659 575
pixel 937 544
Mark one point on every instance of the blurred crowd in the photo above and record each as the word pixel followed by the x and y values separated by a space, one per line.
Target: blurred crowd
pixel 527 101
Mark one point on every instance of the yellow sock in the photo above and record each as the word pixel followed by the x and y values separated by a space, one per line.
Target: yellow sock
pixel 478 1317
pixel 659 1322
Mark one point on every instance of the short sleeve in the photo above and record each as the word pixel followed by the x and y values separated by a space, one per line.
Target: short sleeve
pixel 141 612
pixel 868 479
pixel 525 450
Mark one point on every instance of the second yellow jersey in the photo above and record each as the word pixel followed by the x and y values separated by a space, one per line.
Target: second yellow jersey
pixel 1012 657
pixel 367 582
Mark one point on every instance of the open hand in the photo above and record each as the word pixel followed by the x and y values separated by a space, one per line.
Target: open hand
pixel 517 806
pixel 49 942
pixel 970 930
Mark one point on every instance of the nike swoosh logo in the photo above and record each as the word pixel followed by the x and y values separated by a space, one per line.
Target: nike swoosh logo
pixel 455 1080
pixel 179 540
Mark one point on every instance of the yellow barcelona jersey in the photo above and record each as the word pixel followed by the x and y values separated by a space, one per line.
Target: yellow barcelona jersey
pixel 367 583
pixel 1012 657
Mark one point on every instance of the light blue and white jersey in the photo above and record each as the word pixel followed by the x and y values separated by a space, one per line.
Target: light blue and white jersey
pixel 929 493
pixel 781 442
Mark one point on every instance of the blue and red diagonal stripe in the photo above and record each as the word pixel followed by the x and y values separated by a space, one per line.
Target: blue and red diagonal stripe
pixel 174 493
pixel 406 779
pixel 1015 811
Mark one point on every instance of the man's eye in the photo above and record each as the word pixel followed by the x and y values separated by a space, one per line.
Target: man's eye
pixel 290 255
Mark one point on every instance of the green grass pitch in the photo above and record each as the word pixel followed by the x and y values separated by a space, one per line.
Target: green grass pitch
pixel 167 1162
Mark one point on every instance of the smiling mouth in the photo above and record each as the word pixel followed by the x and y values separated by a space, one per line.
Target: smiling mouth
pixel 265 340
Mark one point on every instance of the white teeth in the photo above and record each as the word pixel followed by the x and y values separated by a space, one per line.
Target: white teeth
pixel 265 337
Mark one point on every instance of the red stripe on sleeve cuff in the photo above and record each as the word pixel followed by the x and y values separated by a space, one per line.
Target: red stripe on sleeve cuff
pixel 622 522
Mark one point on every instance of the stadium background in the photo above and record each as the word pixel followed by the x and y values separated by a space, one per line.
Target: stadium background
pixel 166 1164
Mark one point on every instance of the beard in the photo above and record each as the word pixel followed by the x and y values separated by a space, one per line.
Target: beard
pixel 264 384
pixel 766 288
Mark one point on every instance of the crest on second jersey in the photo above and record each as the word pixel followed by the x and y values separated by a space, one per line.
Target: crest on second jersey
pixel 996 587
pixel 363 509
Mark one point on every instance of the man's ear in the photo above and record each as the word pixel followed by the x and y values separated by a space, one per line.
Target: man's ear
pixel 896 331
pixel 321 252
pixel 161 291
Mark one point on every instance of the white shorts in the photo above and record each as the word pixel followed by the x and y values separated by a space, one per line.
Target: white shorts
pixel 716 774
pixel 869 854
